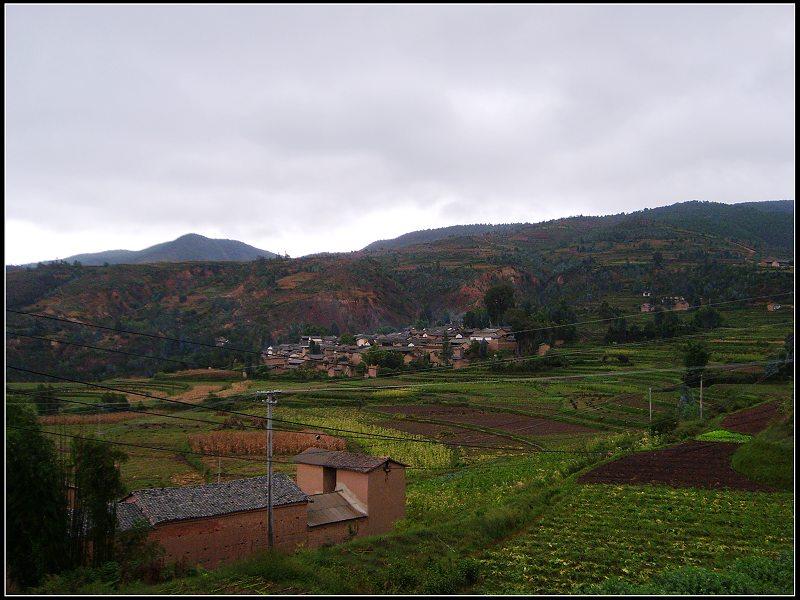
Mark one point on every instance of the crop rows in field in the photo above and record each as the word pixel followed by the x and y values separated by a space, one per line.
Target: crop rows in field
pixel 483 485
pixel 600 531
pixel 427 455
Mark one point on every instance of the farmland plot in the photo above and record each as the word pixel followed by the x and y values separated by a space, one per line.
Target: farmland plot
pixel 600 531
pixel 509 422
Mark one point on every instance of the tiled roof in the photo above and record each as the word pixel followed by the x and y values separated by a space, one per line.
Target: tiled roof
pixel 331 508
pixel 350 461
pixel 160 505
pixel 128 515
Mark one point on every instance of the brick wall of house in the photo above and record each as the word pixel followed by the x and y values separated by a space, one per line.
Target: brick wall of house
pixel 218 540
pixel 357 483
pixel 335 533
pixel 387 499
pixel 309 479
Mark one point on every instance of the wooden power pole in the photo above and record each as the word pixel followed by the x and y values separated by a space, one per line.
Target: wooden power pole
pixel 270 401
pixel 701 397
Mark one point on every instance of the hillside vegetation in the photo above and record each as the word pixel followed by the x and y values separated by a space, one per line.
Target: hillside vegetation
pixel 702 251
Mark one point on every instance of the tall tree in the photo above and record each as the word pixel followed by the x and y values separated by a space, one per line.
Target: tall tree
pixel 497 300
pixel 47 403
pixel 36 503
pixel 98 487
pixel 695 359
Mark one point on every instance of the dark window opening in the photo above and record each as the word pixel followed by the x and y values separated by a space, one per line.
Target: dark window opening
pixel 328 479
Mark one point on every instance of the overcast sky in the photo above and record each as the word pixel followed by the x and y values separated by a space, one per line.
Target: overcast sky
pixel 323 128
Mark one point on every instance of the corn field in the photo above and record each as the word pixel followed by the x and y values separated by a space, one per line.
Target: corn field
pixel 247 443
pixel 88 419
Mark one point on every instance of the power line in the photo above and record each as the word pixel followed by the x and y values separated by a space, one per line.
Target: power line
pixel 176 451
pixel 378 436
pixel 567 352
pixel 234 349
pixel 521 379
pixel 364 435
pixel 129 332
pixel 639 314
pixel 150 356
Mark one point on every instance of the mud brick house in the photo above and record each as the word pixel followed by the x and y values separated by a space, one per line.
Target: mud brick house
pixel 374 486
pixel 337 496
pixel 219 522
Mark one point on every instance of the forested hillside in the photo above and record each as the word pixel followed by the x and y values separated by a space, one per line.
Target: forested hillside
pixel 691 250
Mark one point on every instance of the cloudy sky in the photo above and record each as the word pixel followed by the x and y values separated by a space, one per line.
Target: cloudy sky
pixel 314 128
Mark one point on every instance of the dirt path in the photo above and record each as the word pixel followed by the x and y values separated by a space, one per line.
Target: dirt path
pixel 691 464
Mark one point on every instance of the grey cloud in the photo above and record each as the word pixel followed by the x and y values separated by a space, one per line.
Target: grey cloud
pixel 263 120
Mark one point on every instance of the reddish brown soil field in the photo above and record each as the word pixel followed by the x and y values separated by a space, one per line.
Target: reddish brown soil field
pixel 451 435
pixel 752 420
pixel 692 464
pixel 510 422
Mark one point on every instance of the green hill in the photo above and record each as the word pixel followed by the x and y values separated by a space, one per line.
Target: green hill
pixel 697 250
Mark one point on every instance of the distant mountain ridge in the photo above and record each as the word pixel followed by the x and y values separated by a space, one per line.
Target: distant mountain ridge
pixel 763 223
pixel 432 235
pixel 189 247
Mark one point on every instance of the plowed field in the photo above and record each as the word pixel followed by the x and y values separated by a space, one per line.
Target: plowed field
pixel 692 464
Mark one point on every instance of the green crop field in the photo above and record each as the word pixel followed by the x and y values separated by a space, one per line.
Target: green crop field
pixel 600 531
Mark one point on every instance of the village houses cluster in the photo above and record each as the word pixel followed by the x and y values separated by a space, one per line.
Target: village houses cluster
pixel 447 345
pixel 669 302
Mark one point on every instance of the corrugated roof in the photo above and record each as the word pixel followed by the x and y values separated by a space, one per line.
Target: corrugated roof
pixel 350 461
pixel 331 508
pixel 160 505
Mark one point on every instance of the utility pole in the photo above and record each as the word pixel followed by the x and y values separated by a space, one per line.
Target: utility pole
pixel 270 401
pixel 650 402
pixel 701 397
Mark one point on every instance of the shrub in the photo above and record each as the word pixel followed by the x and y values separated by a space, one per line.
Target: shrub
pixel 663 424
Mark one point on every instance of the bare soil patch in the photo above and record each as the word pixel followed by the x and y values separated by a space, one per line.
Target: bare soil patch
pixel 449 435
pixel 752 420
pixel 691 464
pixel 199 392
pixel 510 422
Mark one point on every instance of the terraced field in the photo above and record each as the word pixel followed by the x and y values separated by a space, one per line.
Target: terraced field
pixel 598 531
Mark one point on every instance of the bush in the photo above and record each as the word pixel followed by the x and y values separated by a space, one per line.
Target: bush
pixel 449 576
pixel 768 457
pixel 663 424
